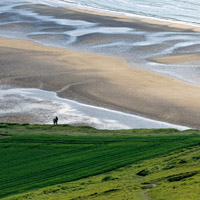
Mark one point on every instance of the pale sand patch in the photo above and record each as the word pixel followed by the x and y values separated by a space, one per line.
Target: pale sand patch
pixel 177 59
pixel 101 80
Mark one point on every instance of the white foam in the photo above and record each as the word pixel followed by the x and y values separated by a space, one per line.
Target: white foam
pixel 44 105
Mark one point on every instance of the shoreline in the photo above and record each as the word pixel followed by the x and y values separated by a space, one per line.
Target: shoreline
pixel 126 17
pixel 107 18
pixel 137 41
pixel 82 76
pixel 83 114
pixel 99 79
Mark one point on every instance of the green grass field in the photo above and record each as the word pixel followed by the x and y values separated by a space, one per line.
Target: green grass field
pixel 64 162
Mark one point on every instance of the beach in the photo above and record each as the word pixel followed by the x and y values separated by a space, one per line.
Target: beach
pixel 139 40
pixel 99 80
pixel 99 99
pixel 109 81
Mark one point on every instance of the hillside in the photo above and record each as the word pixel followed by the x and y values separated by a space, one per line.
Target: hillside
pixel 65 162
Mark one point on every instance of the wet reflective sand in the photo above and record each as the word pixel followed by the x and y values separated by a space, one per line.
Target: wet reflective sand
pixel 42 106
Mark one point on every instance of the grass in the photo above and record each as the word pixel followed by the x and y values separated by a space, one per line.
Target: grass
pixel 124 183
pixel 17 129
pixel 57 163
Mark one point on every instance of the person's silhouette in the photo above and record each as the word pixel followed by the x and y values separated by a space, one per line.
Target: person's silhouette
pixel 55 120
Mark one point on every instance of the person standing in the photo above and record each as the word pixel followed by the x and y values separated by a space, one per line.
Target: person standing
pixel 55 120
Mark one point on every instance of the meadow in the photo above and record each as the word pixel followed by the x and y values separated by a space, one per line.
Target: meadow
pixel 65 162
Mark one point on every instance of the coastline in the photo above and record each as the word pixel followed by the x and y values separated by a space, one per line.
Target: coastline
pixel 123 15
pixel 139 19
pixel 105 81
pixel 109 19
pixel 137 41
pixel 37 106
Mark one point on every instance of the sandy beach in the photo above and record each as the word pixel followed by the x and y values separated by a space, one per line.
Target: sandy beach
pixel 106 60
pixel 99 80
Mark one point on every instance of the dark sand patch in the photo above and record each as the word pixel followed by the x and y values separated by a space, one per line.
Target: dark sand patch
pixel 57 29
pixel 53 38
pixel 100 38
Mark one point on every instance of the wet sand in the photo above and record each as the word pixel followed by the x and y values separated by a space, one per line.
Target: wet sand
pixel 138 40
pixel 42 106
pixel 99 80
pixel 108 19
pixel 140 21
pixel 177 59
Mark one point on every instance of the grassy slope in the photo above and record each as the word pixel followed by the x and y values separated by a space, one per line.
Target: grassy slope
pixel 37 161
pixel 124 183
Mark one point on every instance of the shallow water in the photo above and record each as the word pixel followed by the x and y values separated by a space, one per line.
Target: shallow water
pixel 137 46
pixel 44 106
pixel 185 11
